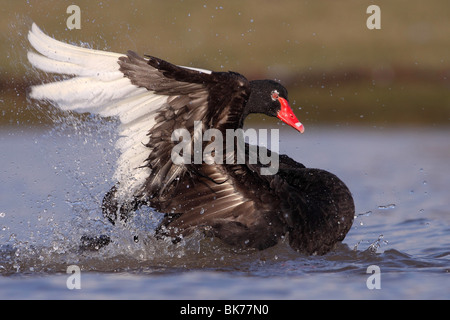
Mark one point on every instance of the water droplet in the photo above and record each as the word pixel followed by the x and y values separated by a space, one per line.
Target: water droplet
pixel 2 214
pixel 389 206
pixel 365 214
pixel 202 211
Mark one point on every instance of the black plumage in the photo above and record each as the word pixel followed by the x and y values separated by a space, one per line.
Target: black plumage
pixel 229 199
pixel 233 202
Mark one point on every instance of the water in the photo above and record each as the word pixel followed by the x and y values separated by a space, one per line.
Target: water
pixel 53 181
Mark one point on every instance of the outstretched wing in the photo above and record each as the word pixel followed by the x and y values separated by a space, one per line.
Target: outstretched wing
pixel 151 98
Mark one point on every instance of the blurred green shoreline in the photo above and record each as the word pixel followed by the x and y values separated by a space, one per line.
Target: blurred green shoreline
pixel 355 97
pixel 337 71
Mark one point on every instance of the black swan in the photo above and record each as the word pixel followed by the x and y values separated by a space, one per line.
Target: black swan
pixel 230 200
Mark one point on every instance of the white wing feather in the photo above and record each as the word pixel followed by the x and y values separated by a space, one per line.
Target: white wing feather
pixel 99 87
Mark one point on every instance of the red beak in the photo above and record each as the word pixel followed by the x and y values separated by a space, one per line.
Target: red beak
pixel 287 116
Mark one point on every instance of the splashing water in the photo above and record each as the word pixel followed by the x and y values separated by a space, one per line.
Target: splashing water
pixel 56 180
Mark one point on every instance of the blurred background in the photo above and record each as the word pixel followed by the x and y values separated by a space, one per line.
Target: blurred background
pixel 338 72
pixel 351 87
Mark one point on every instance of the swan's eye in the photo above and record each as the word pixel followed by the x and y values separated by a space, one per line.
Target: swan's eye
pixel 275 94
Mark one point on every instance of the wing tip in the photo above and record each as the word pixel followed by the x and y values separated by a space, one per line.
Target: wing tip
pixel 36 33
